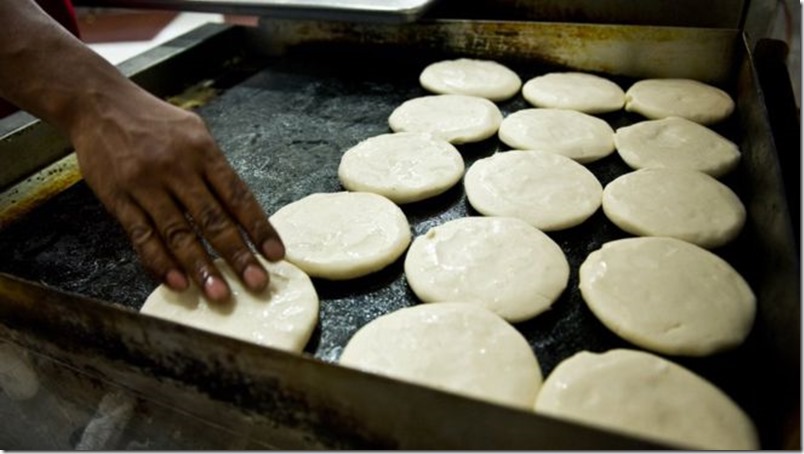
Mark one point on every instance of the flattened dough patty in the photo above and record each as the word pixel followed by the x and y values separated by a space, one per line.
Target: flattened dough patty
pixel 454 118
pixel 647 396
pixel 456 347
pixel 573 134
pixel 464 76
pixel 342 235
pixel 547 190
pixel 405 167
pixel 690 99
pixel 283 316
pixel 668 296
pixel 678 203
pixel 676 143
pixel 501 263
pixel 574 90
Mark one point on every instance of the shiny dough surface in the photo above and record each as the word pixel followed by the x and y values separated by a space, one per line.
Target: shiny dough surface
pixel 574 90
pixel 454 118
pixel 465 76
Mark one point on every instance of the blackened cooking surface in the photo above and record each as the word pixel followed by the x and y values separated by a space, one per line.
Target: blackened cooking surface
pixel 284 130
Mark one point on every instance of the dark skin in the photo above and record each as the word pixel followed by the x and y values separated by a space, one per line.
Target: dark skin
pixel 151 164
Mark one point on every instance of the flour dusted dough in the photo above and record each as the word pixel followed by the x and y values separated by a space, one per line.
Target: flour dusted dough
pixel 549 191
pixel 574 90
pixel 342 235
pixel 283 316
pixel 690 99
pixel 573 134
pixel 464 76
pixel 668 296
pixel 405 167
pixel 676 143
pixel 501 263
pixel 456 347
pixel 644 395
pixel 454 118
pixel 678 203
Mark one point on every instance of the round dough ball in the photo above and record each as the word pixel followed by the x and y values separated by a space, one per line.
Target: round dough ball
pixel 690 99
pixel 547 190
pixel 676 143
pixel 282 316
pixel 574 90
pixel 454 118
pixel 678 203
pixel 342 235
pixel 456 347
pixel 405 167
pixel 484 78
pixel 668 296
pixel 644 395
pixel 503 264
pixel 573 134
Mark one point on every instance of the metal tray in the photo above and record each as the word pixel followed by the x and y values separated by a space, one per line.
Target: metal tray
pixel 284 107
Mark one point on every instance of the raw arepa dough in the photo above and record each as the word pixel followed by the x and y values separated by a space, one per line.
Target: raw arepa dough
pixel 676 143
pixel 283 316
pixel 573 134
pixel 342 235
pixel 456 347
pixel 668 296
pixel 454 118
pixel 574 90
pixel 644 395
pixel 464 76
pixel 501 263
pixel 678 203
pixel 547 190
pixel 686 98
pixel 405 166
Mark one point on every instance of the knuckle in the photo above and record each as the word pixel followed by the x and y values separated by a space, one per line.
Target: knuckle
pixel 178 235
pixel 213 220
pixel 140 234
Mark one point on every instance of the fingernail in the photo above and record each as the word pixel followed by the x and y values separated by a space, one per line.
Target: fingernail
pixel 255 277
pixel 176 280
pixel 216 289
pixel 273 250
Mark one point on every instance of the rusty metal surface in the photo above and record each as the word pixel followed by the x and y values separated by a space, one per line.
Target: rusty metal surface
pixel 284 128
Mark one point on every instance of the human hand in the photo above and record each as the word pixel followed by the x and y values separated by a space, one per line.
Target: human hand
pixel 149 163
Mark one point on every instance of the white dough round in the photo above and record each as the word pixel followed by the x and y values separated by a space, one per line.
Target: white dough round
pixel 690 99
pixel 644 395
pixel 464 76
pixel 676 143
pixel 455 347
pixel 574 90
pixel 282 316
pixel 454 118
pixel 683 204
pixel 342 235
pixel 547 190
pixel 501 263
pixel 405 167
pixel 573 134
pixel 668 296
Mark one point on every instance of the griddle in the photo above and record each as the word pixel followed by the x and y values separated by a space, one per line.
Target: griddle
pixel 284 107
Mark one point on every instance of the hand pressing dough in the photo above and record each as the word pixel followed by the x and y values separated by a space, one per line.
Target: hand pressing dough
pixel 455 347
pixel 405 167
pixel 575 135
pixel 501 263
pixel 342 235
pixel 668 296
pixel 574 90
pixel 690 99
pixel 644 395
pixel 547 190
pixel 454 118
pixel 678 203
pixel 484 78
pixel 283 316
pixel 676 143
